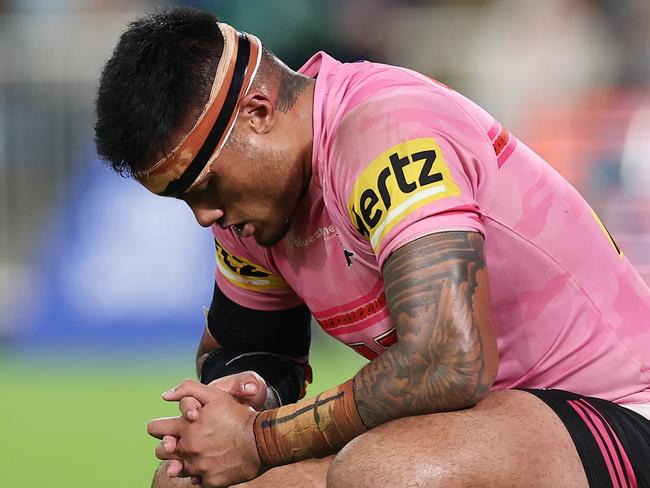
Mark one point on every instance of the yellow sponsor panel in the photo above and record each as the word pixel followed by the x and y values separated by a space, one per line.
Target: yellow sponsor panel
pixel 400 180
pixel 246 274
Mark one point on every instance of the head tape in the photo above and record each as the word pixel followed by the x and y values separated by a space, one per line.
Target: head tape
pixel 189 161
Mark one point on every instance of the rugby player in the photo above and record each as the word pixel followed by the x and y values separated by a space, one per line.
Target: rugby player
pixel 508 335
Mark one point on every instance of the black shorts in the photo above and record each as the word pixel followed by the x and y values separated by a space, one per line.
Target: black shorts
pixel 613 442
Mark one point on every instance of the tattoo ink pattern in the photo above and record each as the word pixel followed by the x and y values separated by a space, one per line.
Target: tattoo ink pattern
pixel 437 293
pixel 291 86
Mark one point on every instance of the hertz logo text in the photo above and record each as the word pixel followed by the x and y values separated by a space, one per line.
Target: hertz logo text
pixel 244 273
pixel 398 181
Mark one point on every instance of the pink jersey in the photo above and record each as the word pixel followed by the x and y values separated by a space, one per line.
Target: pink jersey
pixel 397 156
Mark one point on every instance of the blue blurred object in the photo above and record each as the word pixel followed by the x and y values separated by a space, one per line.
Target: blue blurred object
pixel 117 265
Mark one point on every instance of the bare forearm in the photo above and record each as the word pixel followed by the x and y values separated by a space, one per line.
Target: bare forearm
pixel 437 295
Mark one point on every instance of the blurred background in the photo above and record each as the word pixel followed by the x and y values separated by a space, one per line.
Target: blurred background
pixel 101 306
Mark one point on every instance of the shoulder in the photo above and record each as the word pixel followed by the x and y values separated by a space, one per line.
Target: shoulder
pixel 413 121
pixel 405 159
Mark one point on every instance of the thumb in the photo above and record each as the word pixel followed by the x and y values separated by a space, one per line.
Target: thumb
pixel 252 390
pixel 247 387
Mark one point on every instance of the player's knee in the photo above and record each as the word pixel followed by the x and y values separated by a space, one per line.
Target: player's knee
pixel 358 465
pixel 370 461
pixel 340 471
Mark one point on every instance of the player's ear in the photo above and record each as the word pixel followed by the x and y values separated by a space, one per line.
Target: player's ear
pixel 258 112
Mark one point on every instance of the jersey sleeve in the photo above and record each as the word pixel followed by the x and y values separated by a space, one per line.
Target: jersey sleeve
pixel 410 163
pixel 243 273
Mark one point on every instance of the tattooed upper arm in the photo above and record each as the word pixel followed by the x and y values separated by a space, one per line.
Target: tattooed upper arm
pixel 446 356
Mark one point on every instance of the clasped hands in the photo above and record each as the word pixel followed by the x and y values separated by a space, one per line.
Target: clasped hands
pixel 212 440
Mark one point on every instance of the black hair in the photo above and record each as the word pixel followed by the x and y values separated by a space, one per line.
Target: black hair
pixel 159 74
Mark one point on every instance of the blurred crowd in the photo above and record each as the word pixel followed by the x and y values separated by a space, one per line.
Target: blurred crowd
pixel 569 77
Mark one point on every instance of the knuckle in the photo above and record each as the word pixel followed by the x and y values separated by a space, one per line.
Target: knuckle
pixel 224 381
pixel 162 455
pixel 186 383
pixel 180 469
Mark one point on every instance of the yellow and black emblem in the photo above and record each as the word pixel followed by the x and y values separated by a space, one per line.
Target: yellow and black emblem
pixel 400 180
pixel 246 274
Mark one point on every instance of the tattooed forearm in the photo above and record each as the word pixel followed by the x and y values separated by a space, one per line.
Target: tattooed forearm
pixel 445 357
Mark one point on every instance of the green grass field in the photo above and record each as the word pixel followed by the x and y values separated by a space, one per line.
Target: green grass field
pixel 81 422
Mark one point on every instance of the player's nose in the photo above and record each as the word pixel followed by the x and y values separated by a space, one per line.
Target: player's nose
pixel 206 216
